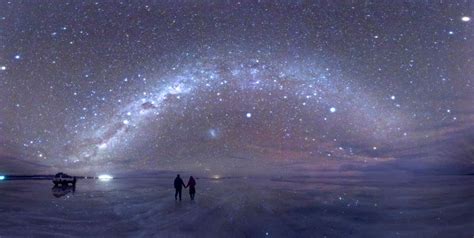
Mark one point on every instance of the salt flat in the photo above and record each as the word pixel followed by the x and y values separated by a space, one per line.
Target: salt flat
pixel 360 206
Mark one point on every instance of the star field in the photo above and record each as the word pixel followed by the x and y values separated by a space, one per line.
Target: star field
pixel 240 86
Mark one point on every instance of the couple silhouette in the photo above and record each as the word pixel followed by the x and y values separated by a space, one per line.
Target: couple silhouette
pixel 179 184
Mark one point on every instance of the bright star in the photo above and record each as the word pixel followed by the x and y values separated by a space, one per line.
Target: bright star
pixel 103 146
pixel 332 109
pixel 126 122
pixel 213 133
pixel 465 19
pixel 248 115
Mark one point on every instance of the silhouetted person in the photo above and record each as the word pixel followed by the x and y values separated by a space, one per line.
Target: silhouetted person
pixel 178 185
pixel 192 187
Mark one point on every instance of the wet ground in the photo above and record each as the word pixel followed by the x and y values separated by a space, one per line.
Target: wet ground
pixel 414 206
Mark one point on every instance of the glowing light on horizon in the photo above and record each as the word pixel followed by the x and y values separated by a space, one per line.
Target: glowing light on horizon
pixel 105 177
pixel 465 19
pixel 2 177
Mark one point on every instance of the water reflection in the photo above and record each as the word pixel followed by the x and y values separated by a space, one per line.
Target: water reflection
pixel 60 191
pixel 297 206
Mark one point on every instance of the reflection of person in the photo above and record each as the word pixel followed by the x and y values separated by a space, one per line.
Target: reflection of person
pixel 192 187
pixel 178 185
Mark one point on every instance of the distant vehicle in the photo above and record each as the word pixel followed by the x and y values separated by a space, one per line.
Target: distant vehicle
pixel 62 179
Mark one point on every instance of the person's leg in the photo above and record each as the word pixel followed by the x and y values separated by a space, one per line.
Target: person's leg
pixel 176 194
pixel 179 194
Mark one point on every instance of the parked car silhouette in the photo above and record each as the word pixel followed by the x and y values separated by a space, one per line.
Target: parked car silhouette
pixel 62 179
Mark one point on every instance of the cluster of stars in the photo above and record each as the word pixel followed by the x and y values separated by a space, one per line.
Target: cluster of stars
pixel 268 84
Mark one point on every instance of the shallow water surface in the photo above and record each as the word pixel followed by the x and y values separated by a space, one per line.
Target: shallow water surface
pixel 415 206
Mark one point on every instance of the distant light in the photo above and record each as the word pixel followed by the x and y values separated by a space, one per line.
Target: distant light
pixel 105 177
pixel 248 115
pixel 2 177
pixel 216 177
pixel 3 67
pixel 126 122
pixel 17 56
pixel 374 148
pixel 392 97
pixel 465 19
pixel 332 109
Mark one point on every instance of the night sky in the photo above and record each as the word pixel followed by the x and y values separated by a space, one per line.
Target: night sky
pixel 238 87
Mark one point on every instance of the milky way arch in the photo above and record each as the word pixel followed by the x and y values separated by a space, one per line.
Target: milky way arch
pixel 299 105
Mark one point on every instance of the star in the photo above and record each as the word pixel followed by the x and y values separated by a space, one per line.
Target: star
pixel 213 133
pixel 103 146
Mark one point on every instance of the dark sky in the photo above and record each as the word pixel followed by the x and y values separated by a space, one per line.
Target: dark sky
pixel 236 86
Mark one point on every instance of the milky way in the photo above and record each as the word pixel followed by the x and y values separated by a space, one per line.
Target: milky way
pixel 236 86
